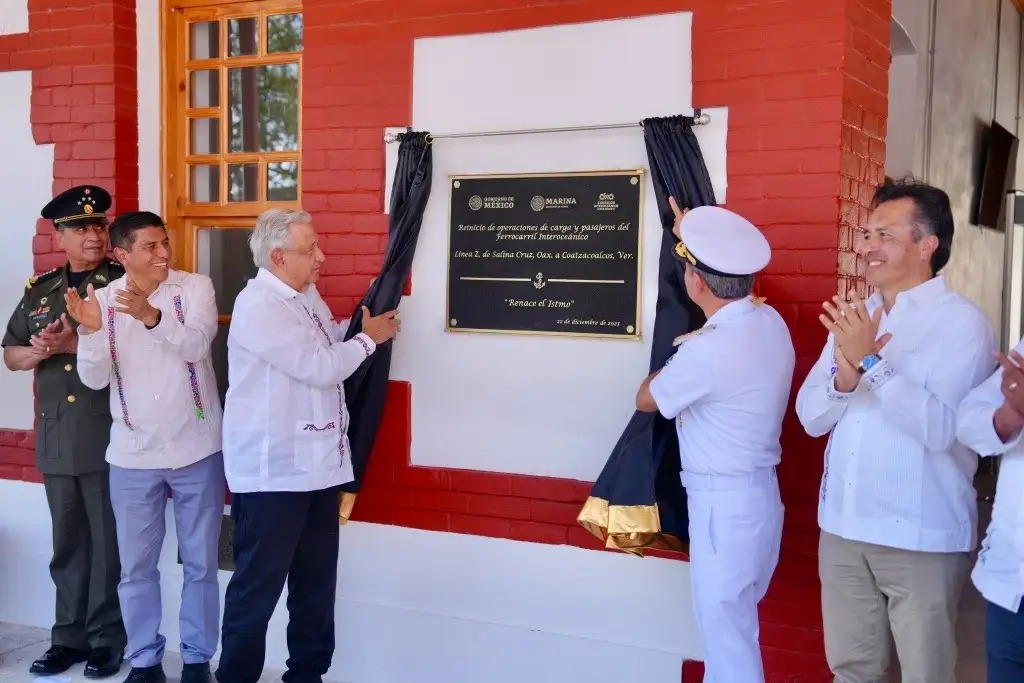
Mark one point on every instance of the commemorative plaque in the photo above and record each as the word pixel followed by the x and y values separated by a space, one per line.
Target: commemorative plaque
pixel 551 254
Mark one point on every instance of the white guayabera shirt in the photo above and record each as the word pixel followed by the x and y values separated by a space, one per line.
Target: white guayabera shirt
pixel 163 391
pixel 285 420
pixel 894 473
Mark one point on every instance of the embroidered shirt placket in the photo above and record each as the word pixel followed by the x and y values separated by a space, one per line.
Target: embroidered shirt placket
pixel 342 413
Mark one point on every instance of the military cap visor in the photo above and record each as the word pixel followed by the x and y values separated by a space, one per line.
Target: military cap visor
pixel 78 206
pixel 720 242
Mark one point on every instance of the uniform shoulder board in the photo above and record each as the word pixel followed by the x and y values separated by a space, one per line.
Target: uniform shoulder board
pixel 115 265
pixel 43 277
pixel 758 300
pixel 690 335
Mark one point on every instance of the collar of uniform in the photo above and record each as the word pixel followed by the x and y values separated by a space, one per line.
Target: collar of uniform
pixel 278 286
pixel 731 310
pixel 925 293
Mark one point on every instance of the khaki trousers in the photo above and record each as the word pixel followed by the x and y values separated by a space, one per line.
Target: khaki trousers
pixel 870 591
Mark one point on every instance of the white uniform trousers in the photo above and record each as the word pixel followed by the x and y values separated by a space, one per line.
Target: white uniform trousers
pixel 735 534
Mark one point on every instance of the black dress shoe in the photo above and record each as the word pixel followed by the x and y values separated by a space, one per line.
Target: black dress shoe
pixel 103 662
pixel 150 674
pixel 196 673
pixel 58 659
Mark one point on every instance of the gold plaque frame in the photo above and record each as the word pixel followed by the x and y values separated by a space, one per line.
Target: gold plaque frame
pixel 636 335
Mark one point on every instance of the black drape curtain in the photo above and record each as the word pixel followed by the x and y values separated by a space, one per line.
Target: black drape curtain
pixel 638 500
pixel 366 389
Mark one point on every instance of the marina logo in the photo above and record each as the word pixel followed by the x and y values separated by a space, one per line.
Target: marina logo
pixel 606 202
pixel 539 203
pixel 476 202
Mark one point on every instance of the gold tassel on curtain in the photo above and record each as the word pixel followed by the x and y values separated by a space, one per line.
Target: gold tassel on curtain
pixel 629 528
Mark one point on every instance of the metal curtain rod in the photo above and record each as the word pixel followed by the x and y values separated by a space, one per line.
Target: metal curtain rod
pixel 699 119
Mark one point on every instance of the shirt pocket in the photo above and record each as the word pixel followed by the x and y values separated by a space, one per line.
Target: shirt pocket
pixel 48 431
pixel 316 443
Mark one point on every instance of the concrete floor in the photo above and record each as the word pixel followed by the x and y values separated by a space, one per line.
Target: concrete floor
pixel 21 645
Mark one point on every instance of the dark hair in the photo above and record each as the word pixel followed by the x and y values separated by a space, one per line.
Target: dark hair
pixel 932 213
pixel 124 227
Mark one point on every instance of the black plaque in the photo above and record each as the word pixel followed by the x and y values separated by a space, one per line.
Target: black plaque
pixel 546 254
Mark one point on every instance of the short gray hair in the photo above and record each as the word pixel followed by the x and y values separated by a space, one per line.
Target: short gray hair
pixel 273 231
pixel 725 287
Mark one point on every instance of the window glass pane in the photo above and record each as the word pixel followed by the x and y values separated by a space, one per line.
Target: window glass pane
pixel 204 40
pixel 243 182
pixel 204 87
pixel 223 254
pixel 283 181
pixel 204 136
pixel 204 183
pixel 263 107
pixel 243 36
pixel 284 33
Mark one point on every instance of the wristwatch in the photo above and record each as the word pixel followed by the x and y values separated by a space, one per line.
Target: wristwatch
pixel 867 362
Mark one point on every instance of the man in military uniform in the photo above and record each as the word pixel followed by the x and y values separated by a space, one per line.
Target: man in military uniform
pixel 72 432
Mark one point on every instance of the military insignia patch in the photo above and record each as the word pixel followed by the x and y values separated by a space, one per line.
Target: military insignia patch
pixel 100 278
pixel 40 312
pixel 690 335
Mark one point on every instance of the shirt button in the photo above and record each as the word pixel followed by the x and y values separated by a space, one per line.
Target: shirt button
pixel 72 399
pixel 67 368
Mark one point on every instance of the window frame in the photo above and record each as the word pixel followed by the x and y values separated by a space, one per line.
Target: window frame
pixel 184 219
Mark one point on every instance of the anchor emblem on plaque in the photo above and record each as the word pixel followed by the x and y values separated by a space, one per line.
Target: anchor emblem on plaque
pixel 539 282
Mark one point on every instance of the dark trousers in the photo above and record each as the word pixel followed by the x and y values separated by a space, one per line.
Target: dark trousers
pixel 85 566
pixel 1004 644
pixel 279 537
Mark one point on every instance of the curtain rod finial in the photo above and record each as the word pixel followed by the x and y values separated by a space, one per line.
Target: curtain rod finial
pixel 700 117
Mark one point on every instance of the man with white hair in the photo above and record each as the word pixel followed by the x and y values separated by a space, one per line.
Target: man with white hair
pixel 286 452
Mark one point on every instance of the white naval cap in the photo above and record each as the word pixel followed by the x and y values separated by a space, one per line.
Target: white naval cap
pixel 721 242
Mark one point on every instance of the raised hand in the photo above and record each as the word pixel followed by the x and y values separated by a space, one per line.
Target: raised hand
pixel 855 332
pixel 133 301
pixel 679 213
pixel 382 327
pixel 85 311
pixel 57 337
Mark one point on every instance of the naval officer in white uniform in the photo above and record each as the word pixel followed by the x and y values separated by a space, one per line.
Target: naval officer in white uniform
pixel 727 387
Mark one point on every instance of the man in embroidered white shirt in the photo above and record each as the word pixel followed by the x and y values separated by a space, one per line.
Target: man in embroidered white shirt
pixel 286 452
pixel 897 508
pixel 991 422
pixel 147 335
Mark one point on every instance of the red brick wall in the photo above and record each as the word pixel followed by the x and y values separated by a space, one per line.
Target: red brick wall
pixel 806 88
pixel 805 83
pixel 84 102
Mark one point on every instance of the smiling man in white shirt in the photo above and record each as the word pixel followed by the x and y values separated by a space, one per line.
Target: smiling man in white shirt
pixel 897 508
pixel 286 451
pixel 147 335
pixel 991 421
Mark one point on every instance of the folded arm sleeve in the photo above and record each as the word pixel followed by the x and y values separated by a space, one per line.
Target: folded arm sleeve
pixel 818 405
pixel 269 330
pixel 974 426
pixel 190 339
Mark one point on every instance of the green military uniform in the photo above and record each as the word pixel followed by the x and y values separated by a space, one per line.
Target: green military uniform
pixel 72 433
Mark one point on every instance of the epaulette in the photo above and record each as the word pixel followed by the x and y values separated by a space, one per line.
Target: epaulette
pixel 690 335
pixel 43 277
pixel 116 265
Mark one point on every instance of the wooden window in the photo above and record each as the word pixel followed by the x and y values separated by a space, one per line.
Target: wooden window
pixel 233 134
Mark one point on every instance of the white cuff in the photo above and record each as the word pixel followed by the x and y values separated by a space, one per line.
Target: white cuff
pixel 879 375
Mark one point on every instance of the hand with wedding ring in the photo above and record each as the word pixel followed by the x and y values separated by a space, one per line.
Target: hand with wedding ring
pixel 855 332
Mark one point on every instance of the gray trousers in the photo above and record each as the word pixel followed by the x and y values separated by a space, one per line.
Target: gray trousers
pixel 85 566
pixel 871 592
pixel 140 501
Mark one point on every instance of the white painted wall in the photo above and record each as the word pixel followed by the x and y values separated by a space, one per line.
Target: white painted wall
pixel 13 16
pixel 28 182
pixel 532 404
pixel 936 119
pixel 149 47
pixel 432 607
